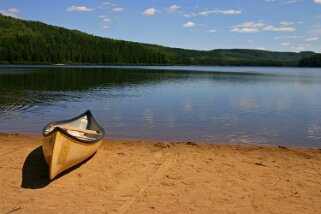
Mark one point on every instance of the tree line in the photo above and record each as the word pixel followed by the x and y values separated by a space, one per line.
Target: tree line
pixel 314 61
pixel 31 42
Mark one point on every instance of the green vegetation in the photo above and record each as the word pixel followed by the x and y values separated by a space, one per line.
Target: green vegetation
pixel 313 61
pixel 241 57
pixel 35 42
pixel 30 42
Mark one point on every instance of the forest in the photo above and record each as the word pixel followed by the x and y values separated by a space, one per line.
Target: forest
pixel 313 61
pixel 33 42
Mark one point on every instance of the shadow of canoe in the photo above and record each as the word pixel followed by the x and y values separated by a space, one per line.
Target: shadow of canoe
pixel 35 171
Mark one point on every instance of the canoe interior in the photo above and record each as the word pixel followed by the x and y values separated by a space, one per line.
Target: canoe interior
pixel 77 128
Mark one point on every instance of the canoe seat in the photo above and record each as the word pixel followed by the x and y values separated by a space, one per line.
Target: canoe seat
pixel 80 135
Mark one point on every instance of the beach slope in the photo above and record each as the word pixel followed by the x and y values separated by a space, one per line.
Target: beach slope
pixel 159 177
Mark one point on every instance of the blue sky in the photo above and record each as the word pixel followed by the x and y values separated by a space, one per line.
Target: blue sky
pixel 279 25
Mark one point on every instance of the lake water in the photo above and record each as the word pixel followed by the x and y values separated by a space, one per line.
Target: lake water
pixel 274 106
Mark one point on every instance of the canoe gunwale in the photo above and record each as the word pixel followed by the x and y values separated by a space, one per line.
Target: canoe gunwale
pixel 64 132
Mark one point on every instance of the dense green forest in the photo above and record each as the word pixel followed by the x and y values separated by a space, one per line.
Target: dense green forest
pixel 31 42
pixel 313 61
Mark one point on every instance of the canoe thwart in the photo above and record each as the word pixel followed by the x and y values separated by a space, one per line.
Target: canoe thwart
pixel 70 128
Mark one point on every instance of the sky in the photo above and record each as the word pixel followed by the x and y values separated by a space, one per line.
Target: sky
pixel 277 25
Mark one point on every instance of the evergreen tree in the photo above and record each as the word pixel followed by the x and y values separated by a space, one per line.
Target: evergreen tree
pixel 31 42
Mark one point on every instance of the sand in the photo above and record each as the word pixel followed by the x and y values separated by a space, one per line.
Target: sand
pixel 157 177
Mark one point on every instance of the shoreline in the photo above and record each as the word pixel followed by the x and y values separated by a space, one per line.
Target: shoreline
pixel 135 176
pixel 108 139
pixel 50 65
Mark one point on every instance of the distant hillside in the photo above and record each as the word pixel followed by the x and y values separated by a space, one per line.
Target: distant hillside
pixel 241 57
pixel 35 42
pixel 314 61
pixel 31 42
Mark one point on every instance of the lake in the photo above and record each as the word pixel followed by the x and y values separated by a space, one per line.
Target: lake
pixel 251 105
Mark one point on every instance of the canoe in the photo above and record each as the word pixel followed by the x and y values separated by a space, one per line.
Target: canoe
pixel 70 142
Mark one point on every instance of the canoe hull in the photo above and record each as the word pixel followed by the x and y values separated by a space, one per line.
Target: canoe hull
pixel 62 152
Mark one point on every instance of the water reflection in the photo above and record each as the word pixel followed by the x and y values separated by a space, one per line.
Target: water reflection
pixel 314 131
pixel 245 105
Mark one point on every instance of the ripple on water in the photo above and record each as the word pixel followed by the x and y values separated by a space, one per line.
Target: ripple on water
pixel 201 106
pixel 314 132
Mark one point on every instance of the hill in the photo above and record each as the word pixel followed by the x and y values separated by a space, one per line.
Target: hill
pixel 313 61
pixel 32 42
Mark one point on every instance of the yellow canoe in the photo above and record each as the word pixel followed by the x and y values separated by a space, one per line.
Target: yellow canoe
pixel 68 143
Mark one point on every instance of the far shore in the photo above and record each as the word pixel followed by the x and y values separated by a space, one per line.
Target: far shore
pixel 132 176
pixel 140 65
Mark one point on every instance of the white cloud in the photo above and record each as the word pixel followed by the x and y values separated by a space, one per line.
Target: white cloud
pixel 300 47
pixel 107 6
pixel 283 1
pixel 208 12
pixel 150 11
pixel 13 12
pixel 285 44
pixel 317 1
pixel 250 25
pixel 305 38
pixel 79 9
pixel 212 30
pixel 118 9
pixel 247 27
pixel 285 23
pixel 225 12
pixel 104 18
pixel 261 49
pixel 173 8
pixel 189 15
pixel 290 2
pixel 253 27
pixel 189 24
pixel 272 28
pixel 244 30
pixel 312 38
pixel 288 37
pixel 106 27
pixel 109 3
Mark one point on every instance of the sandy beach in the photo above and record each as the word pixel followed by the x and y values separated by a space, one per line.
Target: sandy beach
pixel 127 176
